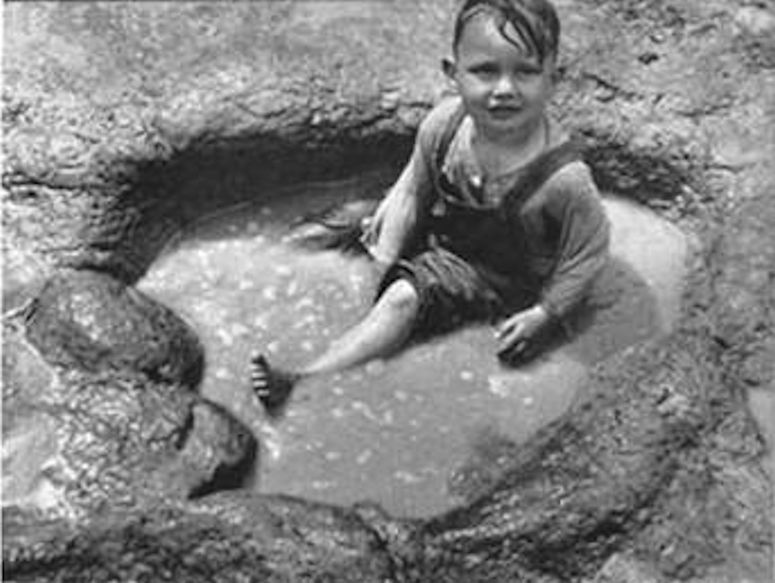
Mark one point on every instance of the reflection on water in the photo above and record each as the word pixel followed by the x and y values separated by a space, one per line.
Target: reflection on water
pixel 390 431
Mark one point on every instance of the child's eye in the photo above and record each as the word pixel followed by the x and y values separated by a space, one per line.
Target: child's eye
pixel 484 70
pixel 527 70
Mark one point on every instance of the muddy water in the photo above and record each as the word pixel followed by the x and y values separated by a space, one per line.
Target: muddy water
pixel 390 431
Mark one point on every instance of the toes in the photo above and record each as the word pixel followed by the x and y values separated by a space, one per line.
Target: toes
pixel 257 359
pixel 259 367
pixel 262 391
pixel 260 383
pixel 260 386
pixel 272 387
pixel 266 383
pixel 259 374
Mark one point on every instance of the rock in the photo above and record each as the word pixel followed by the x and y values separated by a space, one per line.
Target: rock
pixel 95 322
pixel 103 169
pixel 23 277
pixel 29 457
pixel 75 442
pixel 623 569
pixel 745 296
pixel 219 454
pixel 228 537
pixel 755 20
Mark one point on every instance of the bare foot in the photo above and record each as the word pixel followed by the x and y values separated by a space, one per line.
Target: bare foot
pixel 272 386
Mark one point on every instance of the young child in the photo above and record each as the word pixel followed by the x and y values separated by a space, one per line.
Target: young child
pixel 495 217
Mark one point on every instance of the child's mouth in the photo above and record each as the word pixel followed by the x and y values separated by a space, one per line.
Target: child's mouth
pixel 504 111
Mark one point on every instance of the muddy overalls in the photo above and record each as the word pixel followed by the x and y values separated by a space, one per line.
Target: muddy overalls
pixel 476 262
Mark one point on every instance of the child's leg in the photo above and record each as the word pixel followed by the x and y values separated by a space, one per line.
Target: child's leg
pixel 384 329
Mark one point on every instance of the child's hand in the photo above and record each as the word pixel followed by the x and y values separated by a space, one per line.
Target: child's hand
pixel 517 335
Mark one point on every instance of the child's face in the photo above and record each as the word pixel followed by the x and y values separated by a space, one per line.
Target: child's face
pixel 504 88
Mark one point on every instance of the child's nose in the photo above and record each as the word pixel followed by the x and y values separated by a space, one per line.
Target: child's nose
pixel 505 85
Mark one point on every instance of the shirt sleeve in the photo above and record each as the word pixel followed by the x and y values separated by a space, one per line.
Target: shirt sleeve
pixel 575 205
pixel 399 216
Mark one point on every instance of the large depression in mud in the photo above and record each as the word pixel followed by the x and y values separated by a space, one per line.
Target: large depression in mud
pixel 391 431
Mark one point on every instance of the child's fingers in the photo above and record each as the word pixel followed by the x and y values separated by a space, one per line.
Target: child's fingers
pixel 504 329
pixel 510 331
pixel 514 353
pixel 513 325
pixel 512 341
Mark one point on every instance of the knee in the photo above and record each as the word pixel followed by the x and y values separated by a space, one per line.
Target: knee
pixel 401 296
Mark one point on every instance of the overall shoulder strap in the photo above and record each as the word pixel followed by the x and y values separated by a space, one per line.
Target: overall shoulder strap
pixel 542 168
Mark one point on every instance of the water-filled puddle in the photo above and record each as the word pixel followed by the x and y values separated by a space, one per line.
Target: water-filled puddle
pixel 390 431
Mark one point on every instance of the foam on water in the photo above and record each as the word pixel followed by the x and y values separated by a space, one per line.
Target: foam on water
pixel 390 431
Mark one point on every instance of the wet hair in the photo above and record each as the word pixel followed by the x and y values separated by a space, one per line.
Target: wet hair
pixel 535 22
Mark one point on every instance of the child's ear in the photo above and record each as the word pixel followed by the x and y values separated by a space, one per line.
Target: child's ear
pixel 449 68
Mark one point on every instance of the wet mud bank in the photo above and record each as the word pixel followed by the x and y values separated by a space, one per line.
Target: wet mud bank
pixel 122 126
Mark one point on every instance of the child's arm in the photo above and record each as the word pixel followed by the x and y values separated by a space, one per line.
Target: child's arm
pixel 575 207
pixel 401 213
pixel 397 220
